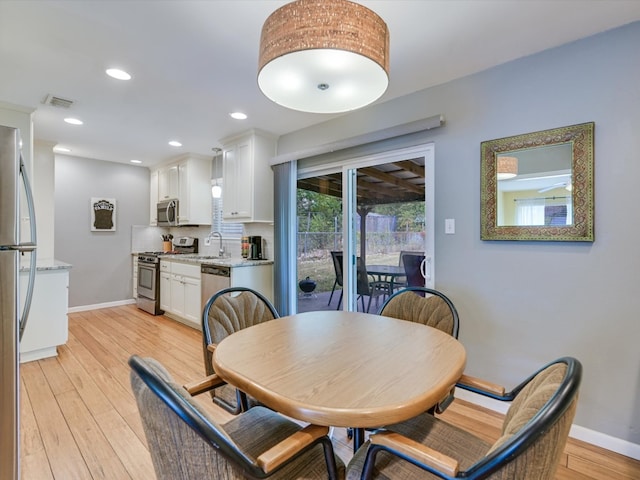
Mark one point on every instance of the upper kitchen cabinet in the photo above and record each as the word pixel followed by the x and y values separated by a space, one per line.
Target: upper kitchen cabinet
pixel 168 182
pixel 187 179
pixel 153 196
pixel 247 192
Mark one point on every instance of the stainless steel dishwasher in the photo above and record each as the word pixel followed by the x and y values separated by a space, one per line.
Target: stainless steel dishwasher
pixel 214 278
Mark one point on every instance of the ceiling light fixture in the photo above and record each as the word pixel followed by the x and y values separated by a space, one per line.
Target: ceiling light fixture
pixel 118 74
pixel 61 149
pixel 507 167
pixel 135 161
pixel 238 115
pixel 324 56
pixel 73 121
pixel 175 143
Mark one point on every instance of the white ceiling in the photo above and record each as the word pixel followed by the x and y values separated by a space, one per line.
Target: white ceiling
pixel 194 62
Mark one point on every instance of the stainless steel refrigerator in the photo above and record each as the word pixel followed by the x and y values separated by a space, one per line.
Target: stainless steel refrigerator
pixel 14 192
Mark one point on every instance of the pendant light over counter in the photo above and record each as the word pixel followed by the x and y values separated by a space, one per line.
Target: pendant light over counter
pixel 216 190
pixel 324 56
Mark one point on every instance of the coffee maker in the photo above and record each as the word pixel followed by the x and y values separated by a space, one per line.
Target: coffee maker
pixel 255 248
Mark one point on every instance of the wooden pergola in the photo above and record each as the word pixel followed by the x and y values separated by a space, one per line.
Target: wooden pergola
pixel 396 182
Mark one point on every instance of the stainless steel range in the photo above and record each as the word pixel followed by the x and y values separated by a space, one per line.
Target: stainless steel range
pixel 149 274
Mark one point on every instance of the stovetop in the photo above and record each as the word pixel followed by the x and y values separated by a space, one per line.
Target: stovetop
pixel 153 257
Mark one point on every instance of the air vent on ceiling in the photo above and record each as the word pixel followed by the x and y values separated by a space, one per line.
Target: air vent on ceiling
pixel 57 101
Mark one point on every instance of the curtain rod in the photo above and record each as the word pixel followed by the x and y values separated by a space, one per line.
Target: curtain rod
pixel 541 198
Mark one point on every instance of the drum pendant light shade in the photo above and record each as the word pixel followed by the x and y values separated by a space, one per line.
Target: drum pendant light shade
pixel 507 167
pixel 324 56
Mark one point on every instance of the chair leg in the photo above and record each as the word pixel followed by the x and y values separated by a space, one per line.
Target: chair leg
pixel 340 301
pixel 335 282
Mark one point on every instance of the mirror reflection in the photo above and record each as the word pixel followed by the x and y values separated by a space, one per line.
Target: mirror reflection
pixel 534 186
pixel 538 186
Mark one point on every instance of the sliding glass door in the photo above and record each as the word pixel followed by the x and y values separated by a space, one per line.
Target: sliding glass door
pixel 354 220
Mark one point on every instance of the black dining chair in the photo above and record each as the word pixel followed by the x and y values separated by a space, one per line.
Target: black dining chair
pixel 534 434
pixel 186 443
pixel 226 312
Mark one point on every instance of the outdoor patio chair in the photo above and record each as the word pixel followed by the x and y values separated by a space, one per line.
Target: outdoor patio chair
pixel 336 258
pixel 412 267
pixel 401 282
pixel 533 437
pixel 365 284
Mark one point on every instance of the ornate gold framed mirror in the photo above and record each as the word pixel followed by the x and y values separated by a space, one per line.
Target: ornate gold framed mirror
pixel 538 186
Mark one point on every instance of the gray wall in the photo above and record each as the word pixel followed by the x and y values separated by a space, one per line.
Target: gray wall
pixel 523 304
pixel 102 262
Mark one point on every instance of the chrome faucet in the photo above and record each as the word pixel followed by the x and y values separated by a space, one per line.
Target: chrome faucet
pixel 221 251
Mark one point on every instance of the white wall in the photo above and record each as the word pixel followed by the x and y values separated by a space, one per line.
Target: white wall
pixel 522 304
pixel 43 179
pixel 102 262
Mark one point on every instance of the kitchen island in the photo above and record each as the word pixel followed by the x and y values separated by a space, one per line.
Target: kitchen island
pixel 47 325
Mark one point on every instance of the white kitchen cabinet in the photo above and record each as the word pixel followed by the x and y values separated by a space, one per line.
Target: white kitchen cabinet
pixel 153 197
pixel 187 179
pixel 194 190
pixel 247 192
pixel 47 324
pixel 180 291
pixel 168 182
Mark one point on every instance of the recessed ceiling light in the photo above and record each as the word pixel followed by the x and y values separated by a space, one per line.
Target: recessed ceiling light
pixel 118 74
pixel 73 121
pixel 175 143
pixel 135 161
pixel 61 149
pixel 238 115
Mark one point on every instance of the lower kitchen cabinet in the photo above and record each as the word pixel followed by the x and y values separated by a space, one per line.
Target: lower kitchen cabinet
pixel 47 324
pixel 180 291
pixel 184 290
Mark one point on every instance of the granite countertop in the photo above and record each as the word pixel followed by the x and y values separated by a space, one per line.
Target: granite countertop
pixel 199 259
pixel 47 264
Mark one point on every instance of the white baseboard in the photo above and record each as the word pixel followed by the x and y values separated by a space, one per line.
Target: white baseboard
pixel 602 440
pixel 84 308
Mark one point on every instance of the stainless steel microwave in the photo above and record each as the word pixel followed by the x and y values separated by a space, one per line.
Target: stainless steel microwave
pixel 168 213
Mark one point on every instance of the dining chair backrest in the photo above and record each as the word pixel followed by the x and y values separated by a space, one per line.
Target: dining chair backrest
pixel 532 440
pixel 185 442
pixel 537 424
pixel 179 434
pixel 412 267
pixel 228 311
pixel 423 305
pixel 337 266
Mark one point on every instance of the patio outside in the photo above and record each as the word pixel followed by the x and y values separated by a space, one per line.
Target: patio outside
pixel 390 228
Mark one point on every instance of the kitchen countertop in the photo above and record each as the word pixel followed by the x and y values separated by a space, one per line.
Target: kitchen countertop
pixel 200 259
pixel 47 264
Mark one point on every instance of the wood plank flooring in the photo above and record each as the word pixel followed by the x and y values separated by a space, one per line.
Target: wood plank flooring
pixel 79 419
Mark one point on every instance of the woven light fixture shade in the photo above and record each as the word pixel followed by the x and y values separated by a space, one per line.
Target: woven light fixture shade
pixel 324 56
pixel 507 167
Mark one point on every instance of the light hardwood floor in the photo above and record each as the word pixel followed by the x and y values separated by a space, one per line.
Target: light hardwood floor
pixel 79 418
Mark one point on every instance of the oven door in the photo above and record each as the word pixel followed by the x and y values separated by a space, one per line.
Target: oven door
pixel 147 280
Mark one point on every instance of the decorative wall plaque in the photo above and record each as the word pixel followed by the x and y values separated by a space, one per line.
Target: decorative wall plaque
pixel 103 214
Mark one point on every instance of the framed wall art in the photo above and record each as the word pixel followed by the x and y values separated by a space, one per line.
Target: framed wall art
pixel 103 214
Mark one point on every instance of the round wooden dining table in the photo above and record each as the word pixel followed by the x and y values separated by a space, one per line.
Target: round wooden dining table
pixel 344 369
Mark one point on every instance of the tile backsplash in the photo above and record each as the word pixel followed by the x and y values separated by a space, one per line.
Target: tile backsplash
pixel 149 239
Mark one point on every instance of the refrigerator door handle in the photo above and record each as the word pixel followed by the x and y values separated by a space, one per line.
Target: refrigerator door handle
pixel 31 246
